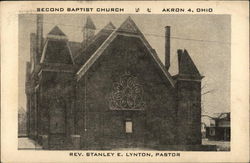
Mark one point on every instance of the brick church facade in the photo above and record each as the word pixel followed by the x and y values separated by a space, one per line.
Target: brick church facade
pixel 110 91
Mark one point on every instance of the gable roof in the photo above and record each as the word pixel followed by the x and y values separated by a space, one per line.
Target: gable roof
pixel 128 28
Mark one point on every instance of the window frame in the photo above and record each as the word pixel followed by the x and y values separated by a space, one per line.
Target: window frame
pixel 127 129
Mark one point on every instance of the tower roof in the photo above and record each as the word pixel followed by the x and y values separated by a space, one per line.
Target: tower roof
pixel 186 64
pixel 56 48
pixel 56 31
pixel 56 51
pixel 89 23
pixel 109 26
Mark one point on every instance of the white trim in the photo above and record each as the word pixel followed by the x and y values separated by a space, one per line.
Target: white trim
pixel 184 79
pixel 118 109
pixel 52 70
pixel 166 73
pixel 57 37
pixel 36 87
pixel 70 53
pixel 44 49
pixel 40 72
pixel 128 34
pixel 96 55
pixel 90 41
pixel 75 136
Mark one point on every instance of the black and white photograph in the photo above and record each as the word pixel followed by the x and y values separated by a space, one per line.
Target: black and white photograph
pixel 127 81
pixel 124 82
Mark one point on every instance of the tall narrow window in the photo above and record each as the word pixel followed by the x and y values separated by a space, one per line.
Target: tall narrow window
pixel 129 126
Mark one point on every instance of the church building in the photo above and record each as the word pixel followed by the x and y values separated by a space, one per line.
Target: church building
pixel 110 91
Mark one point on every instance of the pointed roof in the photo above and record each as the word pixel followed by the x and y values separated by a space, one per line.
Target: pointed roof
pixel 128 27
pixel 186 64
pixel 56 31
pixel 56 48
pixel 109 26
pixel 74 46
pixel 89 23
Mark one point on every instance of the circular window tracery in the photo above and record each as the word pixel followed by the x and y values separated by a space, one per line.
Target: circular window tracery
pixel 127 94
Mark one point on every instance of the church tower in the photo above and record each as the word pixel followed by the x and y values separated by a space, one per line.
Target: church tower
pixel 88 30
pixel 188 88
pixel 56 87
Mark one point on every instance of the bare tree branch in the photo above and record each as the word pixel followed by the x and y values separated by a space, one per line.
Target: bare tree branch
pixel 210 91
pixel 203 86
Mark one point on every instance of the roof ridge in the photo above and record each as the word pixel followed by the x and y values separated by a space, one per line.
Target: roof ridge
pixel 111 37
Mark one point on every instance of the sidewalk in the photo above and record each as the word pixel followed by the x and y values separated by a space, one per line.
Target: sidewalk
pixel 26 143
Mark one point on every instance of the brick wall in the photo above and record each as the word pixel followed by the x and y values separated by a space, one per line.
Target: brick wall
pixel 56 106
pixel 189 112
pixel 154 124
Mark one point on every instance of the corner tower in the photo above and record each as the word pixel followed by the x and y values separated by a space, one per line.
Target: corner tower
pixel 188 88
pixel 56 92
pixel 88 31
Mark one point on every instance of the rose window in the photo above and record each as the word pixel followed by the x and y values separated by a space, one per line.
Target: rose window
pixel 126 94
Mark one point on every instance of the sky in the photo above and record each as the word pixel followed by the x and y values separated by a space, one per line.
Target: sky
pixel 205 37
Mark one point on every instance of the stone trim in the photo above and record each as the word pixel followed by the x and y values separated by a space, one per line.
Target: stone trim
pixel 71 55
pixel 54 70
pixel 185 79
pixel 57 37
pixel 75 136
pixel 96 55
pixel 44 49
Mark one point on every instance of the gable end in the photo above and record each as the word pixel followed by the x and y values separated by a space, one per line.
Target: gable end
pixel 114 34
